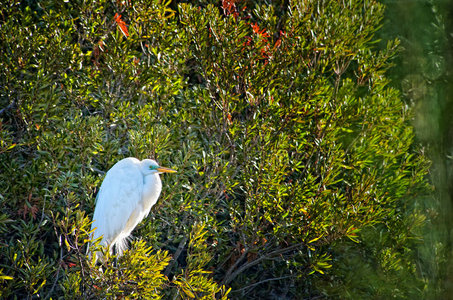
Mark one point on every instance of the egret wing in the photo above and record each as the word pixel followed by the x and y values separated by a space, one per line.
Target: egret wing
pixel 120 194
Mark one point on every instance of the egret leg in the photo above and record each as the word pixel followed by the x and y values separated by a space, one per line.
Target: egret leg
pixel 116 263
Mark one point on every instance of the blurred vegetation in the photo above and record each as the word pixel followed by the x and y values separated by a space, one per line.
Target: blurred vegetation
pixel 300 175
pixel 425 29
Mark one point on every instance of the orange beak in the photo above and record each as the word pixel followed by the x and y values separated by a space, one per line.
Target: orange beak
pixel 165 170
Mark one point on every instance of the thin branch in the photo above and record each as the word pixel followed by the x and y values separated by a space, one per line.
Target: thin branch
pixel 260 282
pixel 10 106
pixel 230 270
pixel 176 256
pixel 228 278
pixel 57 276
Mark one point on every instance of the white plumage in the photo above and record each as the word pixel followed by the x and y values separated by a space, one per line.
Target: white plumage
pixel 129 190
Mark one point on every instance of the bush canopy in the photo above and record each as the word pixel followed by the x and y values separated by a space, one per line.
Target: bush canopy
pixel 298 175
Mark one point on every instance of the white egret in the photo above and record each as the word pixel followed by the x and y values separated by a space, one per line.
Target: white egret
pixel 129 190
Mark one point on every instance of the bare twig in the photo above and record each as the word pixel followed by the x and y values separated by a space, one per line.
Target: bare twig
pixel 57 276
pixel 261 282
pixel 231 275
pixel 176 256
pixel 230 270
pixel 10 106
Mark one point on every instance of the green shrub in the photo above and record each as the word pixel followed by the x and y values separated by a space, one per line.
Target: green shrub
pixel 297 164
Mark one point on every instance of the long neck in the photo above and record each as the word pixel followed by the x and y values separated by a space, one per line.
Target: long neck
pixel 151 190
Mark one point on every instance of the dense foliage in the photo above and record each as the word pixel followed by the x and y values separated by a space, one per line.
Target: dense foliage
pixel 298 173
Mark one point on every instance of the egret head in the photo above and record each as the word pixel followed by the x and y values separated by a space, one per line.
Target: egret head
pixel 150 166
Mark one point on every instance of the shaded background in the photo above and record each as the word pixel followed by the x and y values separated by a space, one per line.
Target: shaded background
pixel 423 74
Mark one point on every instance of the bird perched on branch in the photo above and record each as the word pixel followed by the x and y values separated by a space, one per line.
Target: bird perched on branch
pixel 129 190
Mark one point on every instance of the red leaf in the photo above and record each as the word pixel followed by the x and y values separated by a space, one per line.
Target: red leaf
pixel 256 29
pixel 229 7
pixel 121 24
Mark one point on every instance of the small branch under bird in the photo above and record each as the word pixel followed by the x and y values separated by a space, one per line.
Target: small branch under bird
pixel 129 190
